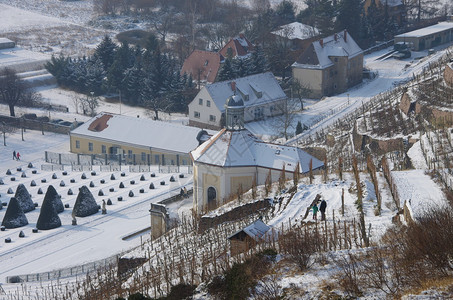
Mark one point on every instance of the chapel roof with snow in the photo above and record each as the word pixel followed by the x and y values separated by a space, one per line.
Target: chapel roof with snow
pixel 240 148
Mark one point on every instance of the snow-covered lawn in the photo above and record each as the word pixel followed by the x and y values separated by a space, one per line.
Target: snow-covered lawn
pixel 95 237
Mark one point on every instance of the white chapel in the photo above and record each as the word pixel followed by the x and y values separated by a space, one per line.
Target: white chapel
pixel 234 157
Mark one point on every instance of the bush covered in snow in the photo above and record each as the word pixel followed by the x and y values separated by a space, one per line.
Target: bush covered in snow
pixel 85 204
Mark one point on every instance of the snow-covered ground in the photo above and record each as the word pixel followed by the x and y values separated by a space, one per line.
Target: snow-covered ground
pixel 95 237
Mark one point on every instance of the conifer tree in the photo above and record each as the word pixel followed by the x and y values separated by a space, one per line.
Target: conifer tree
pixel 85 204
pixel 226 72
pixel 53 197
pixel 14 216
pixel 105 51
pixel 24 198
pixel 48 216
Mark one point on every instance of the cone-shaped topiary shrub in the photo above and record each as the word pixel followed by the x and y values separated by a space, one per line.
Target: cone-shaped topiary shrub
pixel 48 216
pixel 121 185
pixel 23 175
pixel 91 184
pixel 14 215
pixel 153 175
pixel 10 191
pixel 39 191
pixel 123 174
pixel 85 204
pixel 8 172
pixel 1 182
pixel 109 202
pixel 172 179
pixel 131 194
pixel 72 180
pixel 32 183
pixel 24 198
pixel 62 183
pixel 21 234
pixel 100 193
pixel 142 178
pixel 112 177
pixel 54 176
pixel 93 173
pixel 83 176
pixel 55 198
pixel 151 186
pixel 30 165
pixel 70 192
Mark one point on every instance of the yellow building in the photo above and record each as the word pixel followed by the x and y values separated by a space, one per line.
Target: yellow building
pixel 330 65
pixel 135 140
pixel 233 158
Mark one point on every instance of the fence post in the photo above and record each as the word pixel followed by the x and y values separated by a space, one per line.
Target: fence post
pixel 59 158
pixel 45 156
pixel 92 159
pixel 148 159
pixel 119 159
pixel 78 158
pixel 106 159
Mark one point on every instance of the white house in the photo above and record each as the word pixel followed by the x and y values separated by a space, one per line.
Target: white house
pixel 234 158
pixel 261 93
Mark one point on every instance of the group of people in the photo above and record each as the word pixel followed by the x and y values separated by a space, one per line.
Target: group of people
pixel 183 193
pixel 322 208
pixel 16 155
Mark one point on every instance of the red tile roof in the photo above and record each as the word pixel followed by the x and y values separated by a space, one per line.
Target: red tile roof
pixel 204 63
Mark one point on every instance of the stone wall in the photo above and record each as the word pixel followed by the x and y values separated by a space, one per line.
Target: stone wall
pixel 448 74
pixel 232 215
pixel 378 146
pixel 406 104
pixel 34 125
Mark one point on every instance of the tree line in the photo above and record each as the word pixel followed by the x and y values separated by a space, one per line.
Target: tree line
pixel 140 76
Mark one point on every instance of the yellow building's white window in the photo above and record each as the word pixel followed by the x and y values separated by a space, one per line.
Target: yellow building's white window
pixel 103 149
pixel 90 147
pixel 77 144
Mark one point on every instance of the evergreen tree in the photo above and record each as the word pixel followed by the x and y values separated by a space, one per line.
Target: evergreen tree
pixel 57 66
pixel 48 216
pixel 349 17
pixel 124 59
pixel 14 216
pixel 239 67
pixel 53 197
pixel 94 78
pixel 226 72
pixel 24 198
pixel 85 204
pixel 299 128
pixel 258 62
pixel 285 13
pixel 105 51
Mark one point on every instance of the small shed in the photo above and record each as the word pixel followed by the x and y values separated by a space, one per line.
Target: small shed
pixel 248 237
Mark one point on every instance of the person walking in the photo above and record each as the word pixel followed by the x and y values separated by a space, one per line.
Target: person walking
pixel 186 195
pixel 14 155
pixel 18 155
pixel 315 211
pixel 322 209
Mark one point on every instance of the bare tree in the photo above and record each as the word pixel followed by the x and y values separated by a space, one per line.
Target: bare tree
pixel 12 89
pixel 285 120
pixel 301 91
pixel 89 104
pixel 6 129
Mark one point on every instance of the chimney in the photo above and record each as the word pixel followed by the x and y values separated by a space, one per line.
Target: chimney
pixel 321 42
pixel 345 36
pixel 233 86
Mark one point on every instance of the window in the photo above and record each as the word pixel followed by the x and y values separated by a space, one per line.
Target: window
pixel 103 149
pixel 90 146
pixel 143 156
pixel 129 153
pixel 196 114
pixel 77 144
pixel 208 103
pixel 200 101
pixel 211 118
pixel 156 159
